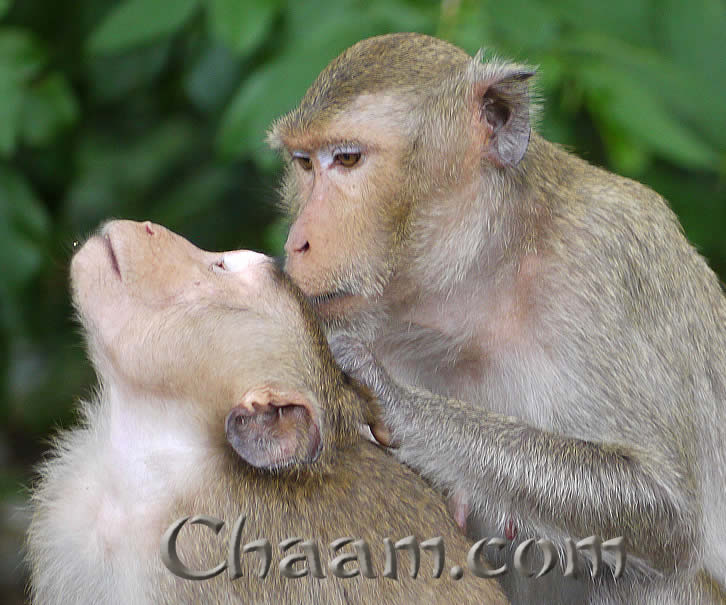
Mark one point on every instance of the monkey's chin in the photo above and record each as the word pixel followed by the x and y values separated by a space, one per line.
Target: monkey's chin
pixel 339 306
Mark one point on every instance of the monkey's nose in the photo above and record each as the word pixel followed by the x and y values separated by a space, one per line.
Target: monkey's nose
pixel 296 243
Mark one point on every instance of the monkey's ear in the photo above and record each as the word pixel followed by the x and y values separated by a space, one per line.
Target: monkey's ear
pixel 504 105
pixel 274 428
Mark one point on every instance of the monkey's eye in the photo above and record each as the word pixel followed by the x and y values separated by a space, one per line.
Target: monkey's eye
pixel 348 159
pixel 304 160
pixel 219 266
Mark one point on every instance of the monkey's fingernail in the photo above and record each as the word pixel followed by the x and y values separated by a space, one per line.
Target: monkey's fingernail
pixel 383 435
pixel 510 529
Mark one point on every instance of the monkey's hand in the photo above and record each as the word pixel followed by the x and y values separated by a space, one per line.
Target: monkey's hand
pixel 357 360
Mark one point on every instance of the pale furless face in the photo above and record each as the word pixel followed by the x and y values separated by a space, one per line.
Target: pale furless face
pixel 225 333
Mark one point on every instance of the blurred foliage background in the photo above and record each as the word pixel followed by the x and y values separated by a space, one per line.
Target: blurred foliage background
pixel 157 109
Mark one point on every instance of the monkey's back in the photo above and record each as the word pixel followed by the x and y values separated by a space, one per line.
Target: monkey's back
pixel 104 498
pixel 663 311
pixel 366 496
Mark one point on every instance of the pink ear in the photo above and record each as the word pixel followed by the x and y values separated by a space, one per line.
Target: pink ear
pixel 273 428
pixel 503 103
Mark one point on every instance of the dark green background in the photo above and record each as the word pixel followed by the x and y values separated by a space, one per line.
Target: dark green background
pixel 157 109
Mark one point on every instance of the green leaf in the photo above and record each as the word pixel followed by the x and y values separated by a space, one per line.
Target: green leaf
pixel 551 72
pixel 111 77
pixel 275 236
pixel 50 106
pixel 21 57
pixel 213 78
pixel 695 35
pixel 676 86
pixel 21 53
pixel 404 16
pixel 628 20
pixel 137 22
pixel 11 100
pixel 46 376
pixel 626 154
pixel 24 229
pixel 113 178
pixel 195 195
pixel 242 25
pixel 699 204
pixel 278 86
pixel 4 6
pixel 522 27
pixel 624 102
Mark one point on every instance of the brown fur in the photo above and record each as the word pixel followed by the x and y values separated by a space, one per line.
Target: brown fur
pixel 177 345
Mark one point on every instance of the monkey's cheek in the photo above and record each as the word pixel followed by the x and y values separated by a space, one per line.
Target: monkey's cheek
pixel 92 271
pixel 103 318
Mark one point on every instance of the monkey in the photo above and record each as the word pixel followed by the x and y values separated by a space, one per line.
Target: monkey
pixel 218 397
pixel 545 344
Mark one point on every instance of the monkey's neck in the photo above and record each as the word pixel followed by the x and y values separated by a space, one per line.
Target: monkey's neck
pixel 481 232
pixel 146 434
pixel 459 303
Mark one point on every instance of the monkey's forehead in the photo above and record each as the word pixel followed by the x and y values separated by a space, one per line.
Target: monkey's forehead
pixel 389 61
pixel 401 63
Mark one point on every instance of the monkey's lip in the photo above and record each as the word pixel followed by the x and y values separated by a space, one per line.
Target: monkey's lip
pixel 106 239
pixel 320 299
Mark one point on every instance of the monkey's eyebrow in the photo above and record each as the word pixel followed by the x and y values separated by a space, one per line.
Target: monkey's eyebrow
pixel 344 147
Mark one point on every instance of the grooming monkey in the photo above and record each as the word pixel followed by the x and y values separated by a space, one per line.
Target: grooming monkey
pixel 219 396
pixel 545 344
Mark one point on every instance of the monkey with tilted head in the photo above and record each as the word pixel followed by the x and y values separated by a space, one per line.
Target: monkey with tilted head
pixel 546 346
pixel 218 396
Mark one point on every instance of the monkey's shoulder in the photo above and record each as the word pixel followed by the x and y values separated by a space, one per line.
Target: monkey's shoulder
pixel 376 476
pixel 615 238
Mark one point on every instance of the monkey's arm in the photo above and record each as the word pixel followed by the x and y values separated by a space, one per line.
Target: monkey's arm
pixel 544 481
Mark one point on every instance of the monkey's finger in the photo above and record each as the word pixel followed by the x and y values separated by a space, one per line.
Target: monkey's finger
pixel 459 508
pixel 383 435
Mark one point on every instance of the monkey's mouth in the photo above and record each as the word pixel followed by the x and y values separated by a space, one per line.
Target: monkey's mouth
pixel 321 299
pixel 111 253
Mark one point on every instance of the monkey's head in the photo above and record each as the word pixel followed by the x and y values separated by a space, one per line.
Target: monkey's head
pixel 226 336
pixel 396 128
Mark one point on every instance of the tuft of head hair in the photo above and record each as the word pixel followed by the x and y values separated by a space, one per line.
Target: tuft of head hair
pixel 401 62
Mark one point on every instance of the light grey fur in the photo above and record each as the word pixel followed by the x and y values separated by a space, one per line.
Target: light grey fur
pixel 542 337
pixel 605 416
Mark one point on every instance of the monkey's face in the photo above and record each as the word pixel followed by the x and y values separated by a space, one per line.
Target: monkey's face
pixel 225 336
pixel 163 316
pixel 344 191
pixel 396 147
